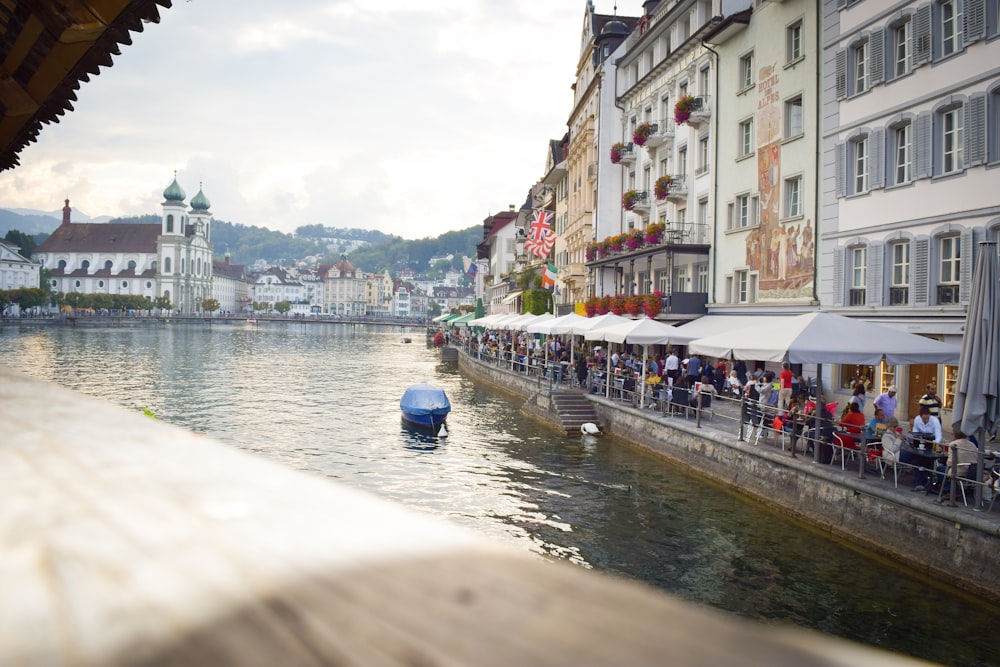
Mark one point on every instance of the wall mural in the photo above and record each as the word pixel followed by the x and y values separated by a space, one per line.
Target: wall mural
pixel 783 254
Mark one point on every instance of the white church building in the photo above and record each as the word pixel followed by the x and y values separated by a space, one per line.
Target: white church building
pixel 172 259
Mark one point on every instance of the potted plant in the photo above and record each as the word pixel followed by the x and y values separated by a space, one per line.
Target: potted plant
pixel 683 109
pixel 591 252
pixel 591 305
pixel 629 199
pixel 617 304
pixel 616 243
pixel 604 305
pixel 654 233
pixel 652 304
pixel 634 239
pixel 633 305
pixel 617 150
pixel 641 133
pixel 662 186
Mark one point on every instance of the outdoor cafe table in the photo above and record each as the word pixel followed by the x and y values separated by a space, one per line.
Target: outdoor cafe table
pixel 927 456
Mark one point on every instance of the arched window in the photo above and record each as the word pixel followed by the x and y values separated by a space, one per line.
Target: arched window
pixel 153 265
pixel 182 265
pixel 198 270
pixel 108 264
pixel 131 265
pixel 166 265
pixel 170 224
pixel 85 264
pixel 62 264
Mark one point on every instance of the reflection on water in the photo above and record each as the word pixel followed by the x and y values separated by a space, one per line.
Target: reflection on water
pixel 325 398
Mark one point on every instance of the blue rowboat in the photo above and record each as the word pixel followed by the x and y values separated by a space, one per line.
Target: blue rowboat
pixel 425 405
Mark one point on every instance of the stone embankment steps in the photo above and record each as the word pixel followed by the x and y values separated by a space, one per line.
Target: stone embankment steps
pixel 573 409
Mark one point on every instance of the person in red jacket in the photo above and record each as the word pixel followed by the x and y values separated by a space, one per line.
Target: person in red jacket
pixel 785 389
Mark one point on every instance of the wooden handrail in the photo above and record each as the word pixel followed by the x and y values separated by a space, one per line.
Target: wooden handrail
pixel 127 541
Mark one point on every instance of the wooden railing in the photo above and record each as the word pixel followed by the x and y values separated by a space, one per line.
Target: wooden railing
pixel 126 541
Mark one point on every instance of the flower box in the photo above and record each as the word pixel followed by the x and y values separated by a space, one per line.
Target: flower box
pixel 617 150
pixel 662 187
pixel 683 109
pixel 642 132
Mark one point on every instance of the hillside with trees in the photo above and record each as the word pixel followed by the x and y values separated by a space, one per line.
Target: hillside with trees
pixel 371 250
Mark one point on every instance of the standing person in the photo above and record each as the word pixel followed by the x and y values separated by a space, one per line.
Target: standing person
pixel 672 366
pixel 886 402
pixel 785 390
pixel 858 397
pixel 931 400
pixel 741 371
pixel 693 369
pixel 582 369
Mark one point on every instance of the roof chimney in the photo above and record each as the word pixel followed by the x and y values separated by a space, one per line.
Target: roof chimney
pixel 510 207
pixel 66 211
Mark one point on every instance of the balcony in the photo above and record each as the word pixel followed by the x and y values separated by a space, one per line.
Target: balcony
pixel 639 202
pixel 899 296
pixel 628 154
pixel 685 303
pixel 701 112
pixel 663 132
pixel 678 190
pixel 947 295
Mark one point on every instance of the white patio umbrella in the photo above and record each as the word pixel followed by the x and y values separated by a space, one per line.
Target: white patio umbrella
pixel 523 323
pixel 824 338
pixel 976 409
pixel 709 325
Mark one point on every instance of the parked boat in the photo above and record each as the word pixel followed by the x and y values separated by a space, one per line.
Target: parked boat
pixel 406 340
pixel 425 405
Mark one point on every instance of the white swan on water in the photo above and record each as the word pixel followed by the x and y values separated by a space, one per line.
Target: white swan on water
pixel 589 428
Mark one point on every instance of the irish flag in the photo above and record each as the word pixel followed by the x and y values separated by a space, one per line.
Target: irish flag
pixel 549 275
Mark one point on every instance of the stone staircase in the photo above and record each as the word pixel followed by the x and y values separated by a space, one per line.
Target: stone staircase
pixel 572 409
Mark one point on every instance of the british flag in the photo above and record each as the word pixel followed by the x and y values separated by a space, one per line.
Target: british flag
pixel 540 235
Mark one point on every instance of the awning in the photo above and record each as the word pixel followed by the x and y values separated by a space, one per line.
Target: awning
pixel 511 296
pixel 709 325
pixel 463 321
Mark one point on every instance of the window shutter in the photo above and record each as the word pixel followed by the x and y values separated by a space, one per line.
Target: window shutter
pixel 873 290
pixel 921 36
pixel 975 130
pixel 922 145
pixel 839 167
pixel 919 274
pixel 841 4
pixel 876 175
pixel 965 267
pixel 974 13
pixel 838 276
pixel 876 53
pixel 840 61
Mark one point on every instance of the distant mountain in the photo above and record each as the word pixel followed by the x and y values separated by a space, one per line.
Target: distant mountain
pixel 34 222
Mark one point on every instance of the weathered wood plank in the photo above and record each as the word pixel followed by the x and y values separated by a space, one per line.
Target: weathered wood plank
pixel 124 541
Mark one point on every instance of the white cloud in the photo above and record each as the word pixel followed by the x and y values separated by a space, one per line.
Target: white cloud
pixel 414 120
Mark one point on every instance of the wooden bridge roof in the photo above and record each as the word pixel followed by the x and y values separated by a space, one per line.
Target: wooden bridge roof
pixel 47 48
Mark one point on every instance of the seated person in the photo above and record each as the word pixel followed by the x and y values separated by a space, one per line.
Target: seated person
pixel 706 391
pixel 734 385
pixel 967 454
pixel 876 427
pixel 792 420
pixel 925 427
pixel 892 441
pixel 852 423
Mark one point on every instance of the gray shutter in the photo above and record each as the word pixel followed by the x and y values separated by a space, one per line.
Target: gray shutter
pixel 839 167
pixel 920 271
pixel 876 55
pixel 873 290
pixel 838 276
pixel 921 36
pixel 922 146
pixel 840 62
pixel 974 13
pixel 967 261
pixel 975 130
pixel 876 169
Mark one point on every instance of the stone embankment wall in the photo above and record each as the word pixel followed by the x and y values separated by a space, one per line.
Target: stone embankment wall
pixel 952 545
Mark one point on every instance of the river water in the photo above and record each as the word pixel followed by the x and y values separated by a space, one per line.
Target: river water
pixel 325 398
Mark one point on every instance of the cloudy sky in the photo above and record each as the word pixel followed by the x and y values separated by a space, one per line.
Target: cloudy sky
pixel 411 118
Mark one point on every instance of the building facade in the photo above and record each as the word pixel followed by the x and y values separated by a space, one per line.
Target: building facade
pixel 911 143
pixel 172 259
pixel 16 271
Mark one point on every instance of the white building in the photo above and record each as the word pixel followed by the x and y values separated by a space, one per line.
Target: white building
pixel 499 250
pixel 16 271
pixel 767 114
pixel 230 286
pixel 912 118
pixel 344 289
pixel 172 259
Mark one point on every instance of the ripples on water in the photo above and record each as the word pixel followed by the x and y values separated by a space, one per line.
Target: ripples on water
pixel 325 399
